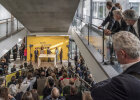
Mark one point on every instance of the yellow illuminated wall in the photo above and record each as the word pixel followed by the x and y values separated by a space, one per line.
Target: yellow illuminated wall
pixel 48 41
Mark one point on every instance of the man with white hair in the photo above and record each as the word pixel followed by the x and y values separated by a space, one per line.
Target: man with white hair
pixel 119 25
pixel 125 86
pixel 133 20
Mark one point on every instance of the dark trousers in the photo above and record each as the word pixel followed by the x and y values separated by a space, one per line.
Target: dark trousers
pixel 60 60
pixel 21 56
pixel 25 57
pixel 14 57
pixel 36 57
pixel 49 59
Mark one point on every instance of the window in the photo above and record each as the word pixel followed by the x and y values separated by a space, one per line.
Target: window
pixel 99 9
pixel 135 4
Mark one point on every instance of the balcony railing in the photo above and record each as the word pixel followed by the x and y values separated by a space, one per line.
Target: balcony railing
pixel 9 26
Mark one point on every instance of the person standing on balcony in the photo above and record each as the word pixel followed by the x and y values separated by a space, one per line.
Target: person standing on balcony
pixel 133 21
pixel 109 18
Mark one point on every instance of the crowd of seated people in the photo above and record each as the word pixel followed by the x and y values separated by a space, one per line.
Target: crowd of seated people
pixel 49 83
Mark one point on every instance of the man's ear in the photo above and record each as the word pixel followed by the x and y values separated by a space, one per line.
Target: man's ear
pixel 123 53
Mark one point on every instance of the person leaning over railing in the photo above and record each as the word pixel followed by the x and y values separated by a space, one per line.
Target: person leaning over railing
pixel 119 25
pixel 125 86
pixel 133 20
pixel 109 18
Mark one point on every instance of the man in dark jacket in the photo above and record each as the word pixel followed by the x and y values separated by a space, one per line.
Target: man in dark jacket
pixel 15 53
pixel 125 86
pixel 133 20
pixel 55 95
pixel 36 54
pixel 109 18
pixel 13 69
pixel 49 52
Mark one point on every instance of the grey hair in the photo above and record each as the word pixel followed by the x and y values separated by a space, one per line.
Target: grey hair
pixel 55 93
pixel 130 14
pixel 117 12
pixel 128 42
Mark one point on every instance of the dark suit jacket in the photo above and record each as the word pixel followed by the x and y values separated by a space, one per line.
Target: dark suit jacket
pixel 109 19
pixel 119 27
pixel 48 51
pixel 125 86
pixel 138 26
pixel 36 52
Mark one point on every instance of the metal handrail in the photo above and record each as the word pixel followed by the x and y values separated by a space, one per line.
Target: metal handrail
pixel 98 18
pixel 87 23
pixel 81 79
pixel 95 17
pixel 5 19
pixel 88 33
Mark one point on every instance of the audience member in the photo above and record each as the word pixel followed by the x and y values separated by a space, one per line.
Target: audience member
pixel 47 90
pixel 74 95
pixel 86 96
pixel 41 81
pixel 27 96
pixel 2 82
pixel 55 95
pixel 35 94
pixel 4 95
pixel 13 81
pixel 13 69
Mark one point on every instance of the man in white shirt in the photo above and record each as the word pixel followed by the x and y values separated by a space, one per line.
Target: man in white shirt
pixel 132 19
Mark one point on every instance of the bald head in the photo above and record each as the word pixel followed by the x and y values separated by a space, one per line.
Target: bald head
pixel 55 93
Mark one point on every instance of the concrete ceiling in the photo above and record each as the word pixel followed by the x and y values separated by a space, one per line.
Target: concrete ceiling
pixel 43 15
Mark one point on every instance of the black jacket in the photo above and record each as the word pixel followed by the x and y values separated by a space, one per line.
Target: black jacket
pixel 109 19
pixel 125 86
pixel 138 27
pixel 119 27
pixel 36 52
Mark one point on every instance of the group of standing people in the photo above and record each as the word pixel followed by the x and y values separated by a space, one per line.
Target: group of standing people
pixel 120 21
pixel 22 52
pixel 36 54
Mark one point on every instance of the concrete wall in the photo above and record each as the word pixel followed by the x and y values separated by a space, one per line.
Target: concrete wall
pixel 4 14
